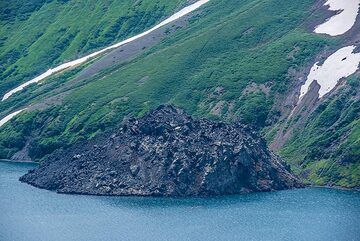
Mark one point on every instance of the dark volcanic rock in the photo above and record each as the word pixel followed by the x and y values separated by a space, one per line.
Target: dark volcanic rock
pixel 166 153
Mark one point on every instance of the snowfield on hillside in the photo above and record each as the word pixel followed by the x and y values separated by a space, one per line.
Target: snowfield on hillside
pixel 341 22
pixel 9 117
pixel 340 64
pixel 82 60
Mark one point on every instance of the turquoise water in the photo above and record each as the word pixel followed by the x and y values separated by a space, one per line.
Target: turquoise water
pixel 27 213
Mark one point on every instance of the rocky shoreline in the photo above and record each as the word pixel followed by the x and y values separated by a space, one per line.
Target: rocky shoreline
pixel 166 153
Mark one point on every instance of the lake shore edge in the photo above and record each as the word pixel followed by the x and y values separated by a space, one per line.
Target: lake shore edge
pixel 357 189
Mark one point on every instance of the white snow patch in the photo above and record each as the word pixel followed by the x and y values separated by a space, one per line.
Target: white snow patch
pixel 9 117
pixel 340 64
pixel 342 22
pixel 82 60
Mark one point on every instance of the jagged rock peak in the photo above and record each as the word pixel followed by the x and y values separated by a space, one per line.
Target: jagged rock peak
pixel 166 153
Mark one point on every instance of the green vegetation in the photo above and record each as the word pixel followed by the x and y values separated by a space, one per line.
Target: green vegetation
pixel 41 34
pixel 328 148
pixel 237 58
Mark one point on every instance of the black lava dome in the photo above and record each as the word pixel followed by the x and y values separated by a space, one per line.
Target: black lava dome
pixel 166 153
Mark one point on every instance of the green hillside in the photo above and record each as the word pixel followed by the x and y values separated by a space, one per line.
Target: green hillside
pixel 328 148
pixel 232 62
pixel 41 34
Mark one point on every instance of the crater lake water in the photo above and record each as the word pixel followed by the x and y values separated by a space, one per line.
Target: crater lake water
pixel 29 214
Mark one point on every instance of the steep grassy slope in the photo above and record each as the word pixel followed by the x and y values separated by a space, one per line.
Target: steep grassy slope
pixel 38 35
pixel 236 59
pixel 327 148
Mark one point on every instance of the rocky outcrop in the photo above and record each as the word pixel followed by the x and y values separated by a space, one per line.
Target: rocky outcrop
pixel 166 153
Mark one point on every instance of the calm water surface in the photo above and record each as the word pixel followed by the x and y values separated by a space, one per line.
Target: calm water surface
pixel 27 213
